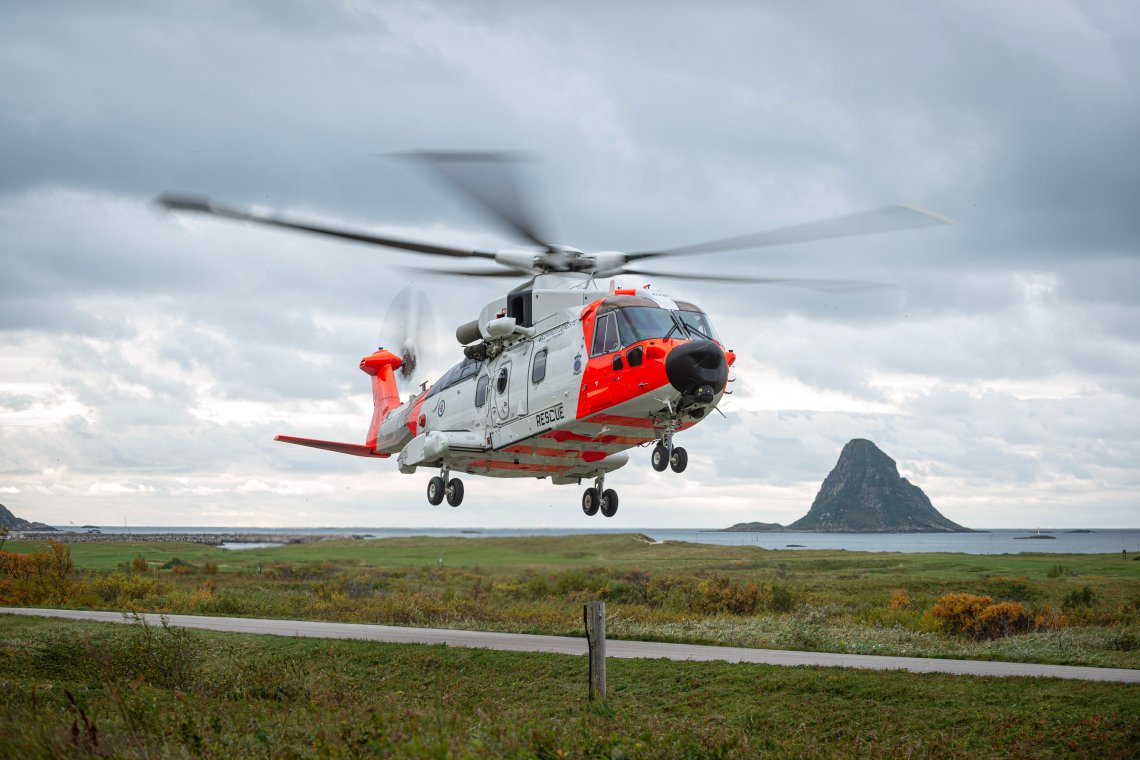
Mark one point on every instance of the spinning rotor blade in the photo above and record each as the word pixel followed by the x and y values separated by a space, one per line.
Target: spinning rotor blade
pixel 409 330
pixel 203 205
pixel 505 272
pixel 834 286
pixel 489 182
pixel 886 219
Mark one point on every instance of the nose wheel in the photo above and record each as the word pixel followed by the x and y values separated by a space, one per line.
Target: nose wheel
pixel 667 455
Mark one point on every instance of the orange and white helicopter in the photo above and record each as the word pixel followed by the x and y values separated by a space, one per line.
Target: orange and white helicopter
pixel 563 374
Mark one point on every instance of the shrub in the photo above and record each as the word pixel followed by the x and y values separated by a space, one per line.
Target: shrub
pixel 1083 598
pixel 1003 619
pixel 958 613
pixel 781 599
pixel 899 600
pixel 720 594
pixel 138 565
pixel 209 568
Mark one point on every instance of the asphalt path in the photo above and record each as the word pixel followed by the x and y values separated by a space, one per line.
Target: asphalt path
pixel 520 642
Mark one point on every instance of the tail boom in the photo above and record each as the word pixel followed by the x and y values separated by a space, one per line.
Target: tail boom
pixel 356 449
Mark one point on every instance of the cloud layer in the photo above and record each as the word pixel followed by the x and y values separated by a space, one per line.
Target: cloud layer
pixel 147 360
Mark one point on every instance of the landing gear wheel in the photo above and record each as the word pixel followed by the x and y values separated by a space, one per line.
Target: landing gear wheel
pixel 455 492
pixel 609 502
pixel 590 502
pixel 660 458
pixel 680 460
pixel 435 491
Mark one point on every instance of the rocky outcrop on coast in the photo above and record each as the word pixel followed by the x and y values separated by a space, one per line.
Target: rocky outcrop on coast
pixel 866 494
pixel 11 522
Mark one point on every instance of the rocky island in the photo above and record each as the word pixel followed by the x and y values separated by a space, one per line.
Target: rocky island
pixel 864 493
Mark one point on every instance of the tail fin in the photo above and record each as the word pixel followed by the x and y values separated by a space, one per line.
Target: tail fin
pixel 382 365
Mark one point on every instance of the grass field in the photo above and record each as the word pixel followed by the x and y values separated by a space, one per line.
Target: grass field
pixel 1078 609
pixel 88 690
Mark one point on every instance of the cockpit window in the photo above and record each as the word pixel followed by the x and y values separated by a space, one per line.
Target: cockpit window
pixel 640 323
pixel 626 324
pixel 698 326
pixel 605 335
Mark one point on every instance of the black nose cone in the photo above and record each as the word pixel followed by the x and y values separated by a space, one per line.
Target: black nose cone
pixel 697 366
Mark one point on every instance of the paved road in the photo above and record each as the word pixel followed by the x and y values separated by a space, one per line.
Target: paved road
pixel 518 642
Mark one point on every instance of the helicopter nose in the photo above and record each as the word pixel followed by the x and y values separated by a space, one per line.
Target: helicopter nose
pixel 697 368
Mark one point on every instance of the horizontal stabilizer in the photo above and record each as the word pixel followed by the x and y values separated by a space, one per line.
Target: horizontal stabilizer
pixel 356 449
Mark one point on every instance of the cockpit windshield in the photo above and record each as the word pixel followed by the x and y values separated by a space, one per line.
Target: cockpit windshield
pixel 630 320
pixel 642 323
pixel 698 326
pixel 697 323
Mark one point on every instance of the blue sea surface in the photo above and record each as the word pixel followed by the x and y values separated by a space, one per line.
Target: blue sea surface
pixel 1004 541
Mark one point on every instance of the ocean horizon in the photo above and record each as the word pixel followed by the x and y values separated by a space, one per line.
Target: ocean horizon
pixel 981 541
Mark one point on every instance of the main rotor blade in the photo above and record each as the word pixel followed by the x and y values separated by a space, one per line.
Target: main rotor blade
pixel 489 181
pixel 833 286
pixel 504 272
pixel 886 219
pixel 203 205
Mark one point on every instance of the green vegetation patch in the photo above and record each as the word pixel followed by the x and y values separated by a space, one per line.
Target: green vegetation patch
pixel 88 689
pixel 841 601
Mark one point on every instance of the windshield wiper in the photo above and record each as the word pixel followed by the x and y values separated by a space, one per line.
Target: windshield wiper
pixel 694 329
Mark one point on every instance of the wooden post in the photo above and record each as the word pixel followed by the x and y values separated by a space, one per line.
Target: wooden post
pixel 596 639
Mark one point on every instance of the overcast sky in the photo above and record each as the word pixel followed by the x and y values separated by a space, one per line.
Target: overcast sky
pixel 147 360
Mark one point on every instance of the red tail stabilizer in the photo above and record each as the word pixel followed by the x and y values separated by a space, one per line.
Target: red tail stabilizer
pixel 356 449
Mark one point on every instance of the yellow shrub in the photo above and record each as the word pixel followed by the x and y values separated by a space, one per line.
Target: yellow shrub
pixel 899 600
pixel 1003 619
pixel 959 613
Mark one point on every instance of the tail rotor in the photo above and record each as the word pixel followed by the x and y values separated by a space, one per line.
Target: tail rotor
pixel 409 330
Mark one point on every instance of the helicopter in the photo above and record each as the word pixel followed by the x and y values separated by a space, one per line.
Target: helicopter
pixel 565 373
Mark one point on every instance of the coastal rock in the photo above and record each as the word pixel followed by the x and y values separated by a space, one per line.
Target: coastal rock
pixel 755 527
pixel 865 494
pixel 10 521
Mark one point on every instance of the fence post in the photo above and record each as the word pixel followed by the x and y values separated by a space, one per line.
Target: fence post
pixel 596 641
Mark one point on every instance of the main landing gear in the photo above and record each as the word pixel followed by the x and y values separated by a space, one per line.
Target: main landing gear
pixel 665 454
pixel 441 486
pixel 600 498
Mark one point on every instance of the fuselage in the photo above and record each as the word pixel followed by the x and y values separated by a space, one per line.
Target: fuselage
pixel 562 379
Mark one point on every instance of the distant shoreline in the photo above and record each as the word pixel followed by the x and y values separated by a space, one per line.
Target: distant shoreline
pixel 208 539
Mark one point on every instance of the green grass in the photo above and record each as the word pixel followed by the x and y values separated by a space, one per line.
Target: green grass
pixel 675 591
pixel 83 689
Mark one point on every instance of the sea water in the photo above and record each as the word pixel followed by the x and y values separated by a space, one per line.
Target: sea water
pixel 1003 541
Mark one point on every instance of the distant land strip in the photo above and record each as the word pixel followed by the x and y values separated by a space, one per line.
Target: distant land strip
pixel 519 642
pixel 211 539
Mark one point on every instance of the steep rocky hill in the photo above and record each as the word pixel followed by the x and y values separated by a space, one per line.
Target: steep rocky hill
pixel 9 520
pixel 865 494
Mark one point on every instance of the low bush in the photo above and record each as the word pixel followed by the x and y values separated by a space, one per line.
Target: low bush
pixel 958 613
pixel 899 600
pixel 1003 619
pixel 1085 597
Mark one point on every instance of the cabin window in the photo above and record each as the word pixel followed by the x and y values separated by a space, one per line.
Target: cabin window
pixel 538 369
pixel 501 382
pixel 605 335
pixel 481 390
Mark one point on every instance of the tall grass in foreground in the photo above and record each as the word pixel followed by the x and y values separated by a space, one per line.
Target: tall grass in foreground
pixel 105 690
